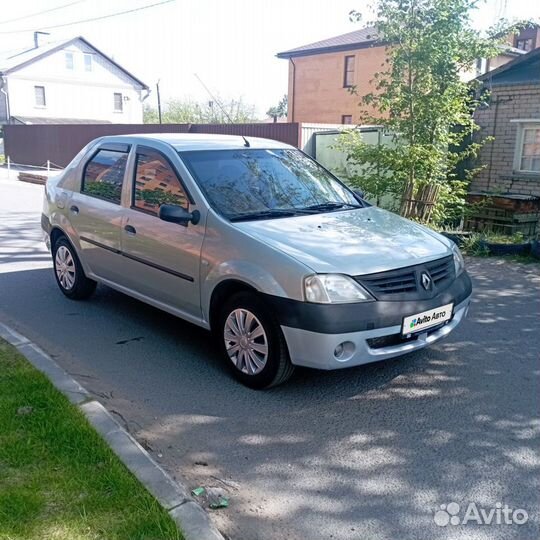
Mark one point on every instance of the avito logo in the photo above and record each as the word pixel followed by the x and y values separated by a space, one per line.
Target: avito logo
pixel 420 320
pixel 450 514
pixel 427 318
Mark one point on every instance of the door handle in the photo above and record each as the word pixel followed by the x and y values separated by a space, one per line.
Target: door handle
pixel 74 209
pixel 130 229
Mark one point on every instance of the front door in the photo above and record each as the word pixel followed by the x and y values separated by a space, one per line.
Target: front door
pixel 162 259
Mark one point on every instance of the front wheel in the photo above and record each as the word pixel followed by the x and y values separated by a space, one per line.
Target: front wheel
pixel 252 342
pixel 69 273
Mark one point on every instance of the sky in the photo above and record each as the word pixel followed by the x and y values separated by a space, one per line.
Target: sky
pixel 230 44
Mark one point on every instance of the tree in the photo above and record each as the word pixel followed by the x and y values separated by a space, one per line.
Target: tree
pixel 188 111
pixel 423 101
pixel 280 110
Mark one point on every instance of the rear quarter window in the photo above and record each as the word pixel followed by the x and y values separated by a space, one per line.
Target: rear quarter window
pixel 104 174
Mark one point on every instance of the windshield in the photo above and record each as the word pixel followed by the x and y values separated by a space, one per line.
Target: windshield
pixel 253 183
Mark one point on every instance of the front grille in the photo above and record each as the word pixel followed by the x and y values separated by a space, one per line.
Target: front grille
pixel 405 283
pixel 395 284
pixel 440 270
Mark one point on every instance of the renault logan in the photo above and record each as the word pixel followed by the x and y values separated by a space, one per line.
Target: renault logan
pixel 252 239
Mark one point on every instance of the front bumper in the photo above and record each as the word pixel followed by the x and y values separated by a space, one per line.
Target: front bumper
pixel 316 350
pixel 368 331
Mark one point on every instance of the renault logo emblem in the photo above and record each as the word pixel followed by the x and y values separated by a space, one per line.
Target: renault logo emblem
pixel 426 281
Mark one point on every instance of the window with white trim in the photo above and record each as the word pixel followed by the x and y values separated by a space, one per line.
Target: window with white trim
pixel 118 102
pixel 524 44
pixel 39 93
pixel 69 60
pixel 88 62
pixel 528 157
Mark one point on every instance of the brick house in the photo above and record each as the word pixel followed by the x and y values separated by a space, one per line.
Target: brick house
pixel 512 117
pixel 321 74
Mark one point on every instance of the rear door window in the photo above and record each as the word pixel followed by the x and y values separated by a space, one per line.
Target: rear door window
pixel 104 174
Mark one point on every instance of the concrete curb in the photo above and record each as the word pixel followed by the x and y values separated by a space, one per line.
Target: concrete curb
pixel 190 517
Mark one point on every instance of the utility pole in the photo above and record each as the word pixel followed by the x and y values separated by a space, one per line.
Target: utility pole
pixel 158 101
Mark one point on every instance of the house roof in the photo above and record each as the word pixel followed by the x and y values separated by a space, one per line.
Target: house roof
pixel 345 42
pixel 54 121
pixel 29 56
pixel 521 61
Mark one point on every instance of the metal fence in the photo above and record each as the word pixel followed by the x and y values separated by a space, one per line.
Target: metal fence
pixel 39 144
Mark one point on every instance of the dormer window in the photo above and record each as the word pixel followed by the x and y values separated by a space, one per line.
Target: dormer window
pixel 69 60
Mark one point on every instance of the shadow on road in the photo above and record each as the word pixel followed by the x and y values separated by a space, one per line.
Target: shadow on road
pixel 368 452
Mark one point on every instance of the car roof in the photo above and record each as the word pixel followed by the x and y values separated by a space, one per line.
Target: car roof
pixel 197 141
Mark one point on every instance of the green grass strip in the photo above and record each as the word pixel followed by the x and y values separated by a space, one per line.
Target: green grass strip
pixel 58 478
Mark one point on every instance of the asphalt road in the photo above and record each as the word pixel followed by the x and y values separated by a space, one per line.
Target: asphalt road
pixel 365 453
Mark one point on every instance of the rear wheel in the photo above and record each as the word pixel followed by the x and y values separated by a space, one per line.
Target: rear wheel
pixel 69 273
pixel 252 342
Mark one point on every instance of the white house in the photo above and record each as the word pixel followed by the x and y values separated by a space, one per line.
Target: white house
pixel 68 82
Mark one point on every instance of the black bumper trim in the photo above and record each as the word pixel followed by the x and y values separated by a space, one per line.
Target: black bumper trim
pixel 343 318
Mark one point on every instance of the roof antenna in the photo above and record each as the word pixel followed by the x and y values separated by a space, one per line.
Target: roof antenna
pixel 246 142
pixel 36 35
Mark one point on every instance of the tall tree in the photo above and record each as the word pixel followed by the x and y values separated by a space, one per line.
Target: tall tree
pixel 280 110
pixel 421 98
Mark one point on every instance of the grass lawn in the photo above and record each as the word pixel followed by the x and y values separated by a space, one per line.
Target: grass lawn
pixel 58 479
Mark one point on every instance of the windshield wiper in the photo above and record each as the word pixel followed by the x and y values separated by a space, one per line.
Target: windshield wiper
pixel 276 212
pixel 331 205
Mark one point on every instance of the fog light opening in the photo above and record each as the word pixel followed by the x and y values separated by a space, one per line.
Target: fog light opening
pixel 344 351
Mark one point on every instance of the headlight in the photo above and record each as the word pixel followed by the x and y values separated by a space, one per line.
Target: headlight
pixel 334 289
pixel 459 263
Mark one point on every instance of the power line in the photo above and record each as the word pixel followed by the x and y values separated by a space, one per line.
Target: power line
pixel 89 20
pixel 41 12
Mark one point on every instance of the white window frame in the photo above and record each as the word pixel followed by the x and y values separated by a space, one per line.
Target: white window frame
pixel 532 124
pixel 88 65
pixel 36 104
pixel 69 54
pixel 121 109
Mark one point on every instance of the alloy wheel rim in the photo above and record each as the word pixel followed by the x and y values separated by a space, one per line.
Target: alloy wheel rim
pixel 246 341
pixel 65 267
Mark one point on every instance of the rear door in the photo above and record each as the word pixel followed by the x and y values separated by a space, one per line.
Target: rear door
pixel 162 259
pixel 96 212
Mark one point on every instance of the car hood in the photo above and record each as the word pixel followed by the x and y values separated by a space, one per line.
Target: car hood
pixel 350 242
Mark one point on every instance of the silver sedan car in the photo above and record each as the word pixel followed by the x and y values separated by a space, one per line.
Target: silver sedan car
pixel 255 241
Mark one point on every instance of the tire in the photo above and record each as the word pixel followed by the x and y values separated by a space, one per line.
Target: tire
pixel 69 273
pixel 249 363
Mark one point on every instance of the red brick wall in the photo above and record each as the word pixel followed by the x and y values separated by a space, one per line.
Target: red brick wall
pixel 319 95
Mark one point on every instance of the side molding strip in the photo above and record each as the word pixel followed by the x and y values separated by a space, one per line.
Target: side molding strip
pixel 137 259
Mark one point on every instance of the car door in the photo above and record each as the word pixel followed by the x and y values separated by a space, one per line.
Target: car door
pixel 96 212
pixel 162 258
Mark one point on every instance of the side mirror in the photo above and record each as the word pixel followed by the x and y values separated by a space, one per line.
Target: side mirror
pixel 359 193
pixel 178 214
